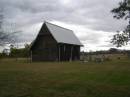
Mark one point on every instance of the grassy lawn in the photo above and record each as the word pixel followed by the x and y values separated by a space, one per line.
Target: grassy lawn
pixel 68 79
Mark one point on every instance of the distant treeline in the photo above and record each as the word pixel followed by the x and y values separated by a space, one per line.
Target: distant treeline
pixel 110 51
pixel 24 52
pixel 16 52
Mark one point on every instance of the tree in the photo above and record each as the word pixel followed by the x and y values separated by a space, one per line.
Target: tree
pixel 122 12
pixel 21 52
pixel 113 50
pixel 6 37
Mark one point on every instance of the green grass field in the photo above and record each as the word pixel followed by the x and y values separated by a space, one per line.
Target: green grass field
pixel 68 79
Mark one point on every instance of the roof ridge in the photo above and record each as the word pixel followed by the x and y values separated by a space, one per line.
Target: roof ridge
pixel 63 38
pixel 58 26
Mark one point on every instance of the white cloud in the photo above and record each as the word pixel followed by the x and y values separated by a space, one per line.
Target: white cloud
pixel 92 40
pixel 91 20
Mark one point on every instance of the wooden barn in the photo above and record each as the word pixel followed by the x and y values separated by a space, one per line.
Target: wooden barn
pixel 55 43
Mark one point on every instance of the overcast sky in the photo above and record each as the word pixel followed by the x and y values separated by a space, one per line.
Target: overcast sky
pixel 91 20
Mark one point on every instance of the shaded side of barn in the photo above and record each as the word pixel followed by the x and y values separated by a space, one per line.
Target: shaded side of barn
pixel 53 43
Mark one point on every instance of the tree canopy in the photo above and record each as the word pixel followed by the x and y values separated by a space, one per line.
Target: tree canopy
pixel 6 37
pixel 122 12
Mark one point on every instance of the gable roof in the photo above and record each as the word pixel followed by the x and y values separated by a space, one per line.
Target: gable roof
pixel 63 35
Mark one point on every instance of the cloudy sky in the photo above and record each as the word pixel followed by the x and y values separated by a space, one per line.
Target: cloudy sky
pixel 91 20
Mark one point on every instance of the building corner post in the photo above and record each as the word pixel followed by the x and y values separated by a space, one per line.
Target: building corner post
pixel 31 56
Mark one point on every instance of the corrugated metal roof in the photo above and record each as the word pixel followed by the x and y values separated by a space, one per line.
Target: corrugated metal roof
pixel 63 35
